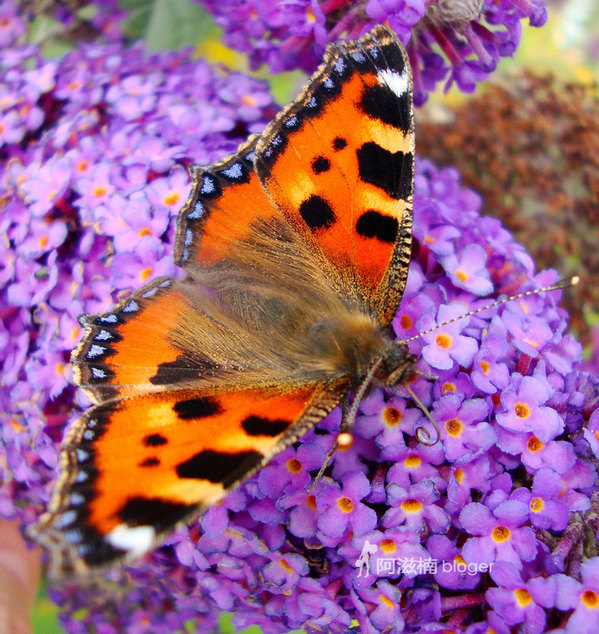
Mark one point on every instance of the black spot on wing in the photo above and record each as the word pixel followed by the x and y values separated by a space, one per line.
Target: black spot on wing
pixel 321 164
pixel 317 213
pixel 219 468
pixel 183 368
pixel 261 426
pixel 380 102
pixel 154 440
pixel 391 171
pixel 372 224
pixel 150 462
pixel 339 143
pixel 155 512
pixel 201 407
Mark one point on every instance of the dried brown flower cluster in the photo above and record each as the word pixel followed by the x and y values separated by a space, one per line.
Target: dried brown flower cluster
pixel 530 146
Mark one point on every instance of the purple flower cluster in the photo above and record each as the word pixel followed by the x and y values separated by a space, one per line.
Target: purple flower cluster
pixel 459 41
pixel 484 530
pixel 474 533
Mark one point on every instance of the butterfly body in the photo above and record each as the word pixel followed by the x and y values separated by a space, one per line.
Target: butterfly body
pixel 296 250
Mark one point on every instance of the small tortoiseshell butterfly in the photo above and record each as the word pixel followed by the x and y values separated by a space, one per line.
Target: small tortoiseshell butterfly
pixel 296 250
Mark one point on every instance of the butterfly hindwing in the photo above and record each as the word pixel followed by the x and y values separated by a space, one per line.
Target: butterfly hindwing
pixel 339 163
pixel 124 485
pixel 130 350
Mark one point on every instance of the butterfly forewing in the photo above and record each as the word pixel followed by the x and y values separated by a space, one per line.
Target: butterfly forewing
pixel 339 164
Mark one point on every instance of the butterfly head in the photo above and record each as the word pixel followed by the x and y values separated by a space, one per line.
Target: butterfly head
pixel 397 366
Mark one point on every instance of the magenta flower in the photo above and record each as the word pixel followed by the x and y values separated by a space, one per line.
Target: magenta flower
pixel 415 508
pixel 498 535
pixel 525 411
pixel 446 345
pixel 340 507
pixel 519 602
pixel 469 271
pixel 581 596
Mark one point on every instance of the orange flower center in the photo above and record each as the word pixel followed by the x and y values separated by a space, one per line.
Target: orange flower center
pixel 523 597
pixel 294 465
pixel 459 475
pixel 171 199
pixel 461 275
pixel 590 599
pixel 411 506
pixel 285 565
pixel 392 416
pixel 536 505
pixel 521 410
pixel 443 340
pixel 534 444
pixel 501 533
pixel 412 461
pixel 448 388
pixel 406 322
pixel 454 427
pixel 485 367
pixel 388 546
pixel 387 602
pixel 345 504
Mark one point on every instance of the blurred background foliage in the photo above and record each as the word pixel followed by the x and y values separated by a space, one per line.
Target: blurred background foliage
pixel 567 47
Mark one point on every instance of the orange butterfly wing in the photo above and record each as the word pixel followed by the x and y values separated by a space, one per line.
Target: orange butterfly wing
pixel 339 163
pixel 128 350
pixel 182 417
pixel 124 485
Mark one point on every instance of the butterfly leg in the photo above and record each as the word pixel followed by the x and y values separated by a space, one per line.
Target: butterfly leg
pixel 344 439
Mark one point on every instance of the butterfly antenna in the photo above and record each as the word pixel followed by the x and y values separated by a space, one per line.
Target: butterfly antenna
pixel 422 433
pixel 345 438
pixel 561 284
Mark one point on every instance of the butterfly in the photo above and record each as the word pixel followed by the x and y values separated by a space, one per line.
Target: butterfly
pixel 296 251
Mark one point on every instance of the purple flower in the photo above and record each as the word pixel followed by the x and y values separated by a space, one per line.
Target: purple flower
pixel 581 596
pixel 523 402
pixel 489 372
pixel 459 41
pixel 464 430
pixel 447 345
pixel 12 26
pixel 520 602
pixel 469 271
pixel 498 535
pixel 91 189
pixel 340 508
pixel 415 508
pixel 452 572
pixel 546 509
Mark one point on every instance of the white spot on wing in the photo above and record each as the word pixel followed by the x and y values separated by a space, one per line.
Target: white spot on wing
pixel 95 351
pixel 397 82
pixel 137 540
pixel 235 171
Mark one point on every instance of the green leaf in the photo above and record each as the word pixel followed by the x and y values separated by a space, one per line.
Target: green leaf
pixel 166 24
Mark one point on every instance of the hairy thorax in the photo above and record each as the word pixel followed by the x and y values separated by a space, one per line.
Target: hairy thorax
pixel 348 344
